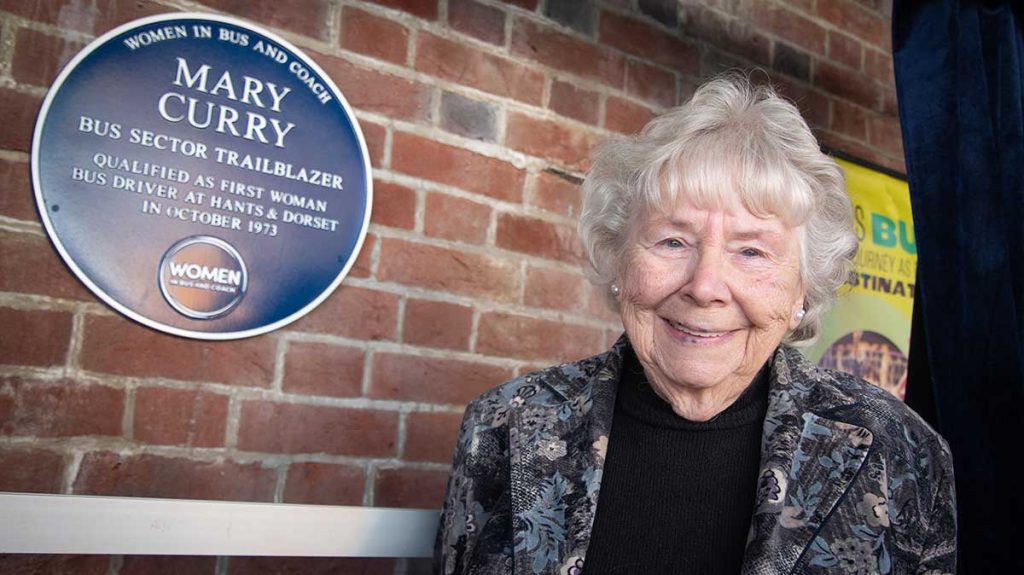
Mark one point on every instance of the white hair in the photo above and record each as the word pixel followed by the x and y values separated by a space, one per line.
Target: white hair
pixel 731 137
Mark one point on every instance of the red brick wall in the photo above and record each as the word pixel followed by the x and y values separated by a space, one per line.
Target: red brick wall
pixel 480 116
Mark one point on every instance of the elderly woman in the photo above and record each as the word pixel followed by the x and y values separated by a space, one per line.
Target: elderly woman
pixel 702 442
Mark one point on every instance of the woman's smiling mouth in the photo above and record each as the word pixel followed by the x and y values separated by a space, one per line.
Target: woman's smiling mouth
pixel 696 333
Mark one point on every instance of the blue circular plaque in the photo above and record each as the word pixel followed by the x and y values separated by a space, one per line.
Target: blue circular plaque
pixel 202 176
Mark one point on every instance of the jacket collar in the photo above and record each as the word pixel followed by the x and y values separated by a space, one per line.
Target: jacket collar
pixel 809 459
pixel 796 490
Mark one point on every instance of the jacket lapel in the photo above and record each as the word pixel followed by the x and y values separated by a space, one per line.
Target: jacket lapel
pixel 808 461
pixel 557 449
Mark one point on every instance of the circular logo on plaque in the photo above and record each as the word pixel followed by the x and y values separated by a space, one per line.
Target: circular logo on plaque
pixel 202 277
pixel 211 129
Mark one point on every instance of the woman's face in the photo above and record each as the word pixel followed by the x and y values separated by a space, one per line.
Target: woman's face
pixel 707 295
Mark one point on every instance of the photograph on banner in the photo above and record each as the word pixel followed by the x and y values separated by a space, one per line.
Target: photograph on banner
pixel 867 332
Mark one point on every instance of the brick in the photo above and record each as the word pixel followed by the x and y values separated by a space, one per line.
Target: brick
pixel 90 17
pixel 715 62
pixel 373 36
pixel 844 50
pixel 426 9
pixel 476 20
pixel 146 475
pixel 167 565
pixel 598 305
pixel 525 337
pixel 897 165
pixel 437 324
pixel 884 133
pixel 468 117
pixel 25 564
pixel 855 87
pixel 375 136
pixel 456 219
pixel 790 26
pixel 624 116
pixel 566 53
pixel 889 106
pixel 575 14
pixel 529 5
pixel 856 20
pixel 63 408
pixel 410 488
pixel 430 160
pixel 363 265
pixel 652 84
pixel 574 102
pixel 16 199
pixel 35 337
pixel 849 119
pixel 648 42
pixel 737 36
pixel 377 91
pixel 557 193
pixel 39 56
pixel 188 417
pixel 29 264
pixel 538 238
pixel 323 369
pixel 394 205
pixel 431 436
pixel 431 379
pixel 354 312
pixel 118 346
pixel 567 145
pixel 448 270
pixel 310 566
pixel 324 484
pixel 687 87
pixel 611 336
pixel 805 6
pixel 861 151
pixel 271 427
pixel 664 11
pixel 120 12
pixel 813 105
pixel 878 65
pixel 553 289
pixel 460 63
pixel 20 111
pixel 73 16
pixel 306 17
pixel 792 61
pixel 27 470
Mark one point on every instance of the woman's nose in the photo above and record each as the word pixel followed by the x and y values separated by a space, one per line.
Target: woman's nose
pixel 707 285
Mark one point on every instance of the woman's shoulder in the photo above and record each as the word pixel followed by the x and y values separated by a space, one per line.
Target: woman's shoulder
pixel 848 398
pixel 549 386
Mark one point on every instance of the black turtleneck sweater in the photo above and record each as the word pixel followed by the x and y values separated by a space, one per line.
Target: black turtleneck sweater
pixel 676 496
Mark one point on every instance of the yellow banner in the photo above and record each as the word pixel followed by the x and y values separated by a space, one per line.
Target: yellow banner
pixel 867 333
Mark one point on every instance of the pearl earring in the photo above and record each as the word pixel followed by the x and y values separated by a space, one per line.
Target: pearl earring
pixel 800 315
pixel 615 290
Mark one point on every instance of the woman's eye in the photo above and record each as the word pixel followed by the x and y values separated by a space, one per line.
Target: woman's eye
pixel 751 253
pixel 673 243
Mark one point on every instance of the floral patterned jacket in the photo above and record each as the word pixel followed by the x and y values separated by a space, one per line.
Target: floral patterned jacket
pixel 851 481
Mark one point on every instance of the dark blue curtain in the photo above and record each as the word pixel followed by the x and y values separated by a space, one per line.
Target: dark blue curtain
pixel 959 78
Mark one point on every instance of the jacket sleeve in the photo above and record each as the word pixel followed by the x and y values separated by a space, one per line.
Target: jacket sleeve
pixel 938 555
pixel 474 535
